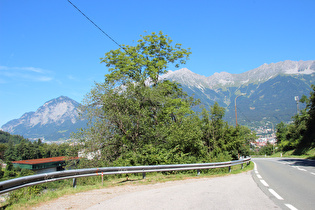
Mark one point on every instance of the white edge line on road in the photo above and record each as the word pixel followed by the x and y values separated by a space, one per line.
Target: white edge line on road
pixel 291 207
pixel 264 183
pixel 302 169
pixel 275 194
pixel 313 173
pixel 259 176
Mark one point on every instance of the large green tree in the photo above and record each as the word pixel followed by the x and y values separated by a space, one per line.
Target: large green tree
pixel 133 110
pixel 135 118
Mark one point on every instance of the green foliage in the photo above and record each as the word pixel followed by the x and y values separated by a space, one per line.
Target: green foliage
pixel 5 137
pixel 26 150
pixel 220 137
pixel 24 193
pixel 137 119
pixel 267 150
pixel 299 135
pixel 1 173
pixel 9 166
pixel 147 60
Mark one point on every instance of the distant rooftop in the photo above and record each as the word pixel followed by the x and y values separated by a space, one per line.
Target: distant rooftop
pixel 45 160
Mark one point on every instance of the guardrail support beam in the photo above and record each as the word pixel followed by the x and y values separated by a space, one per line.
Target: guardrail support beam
pixel 230 169
pixel 198 172
pixel 143 175
pixel 74 182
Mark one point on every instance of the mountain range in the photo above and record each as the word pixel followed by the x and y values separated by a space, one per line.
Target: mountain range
pixel 264 94
pixel 55 120
pixel 267 92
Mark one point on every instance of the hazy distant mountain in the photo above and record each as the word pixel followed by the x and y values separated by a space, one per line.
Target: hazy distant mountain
pixel 269 90
pixel 56 119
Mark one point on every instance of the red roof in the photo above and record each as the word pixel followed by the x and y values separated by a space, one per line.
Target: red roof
pixel 45 160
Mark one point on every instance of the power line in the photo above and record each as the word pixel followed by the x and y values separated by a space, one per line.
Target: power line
pixel 95 25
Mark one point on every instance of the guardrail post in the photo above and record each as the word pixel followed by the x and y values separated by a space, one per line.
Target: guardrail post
pixel 74 183
pixel 242 166
pixel 198 172
pixel 230 169
pixel 143 175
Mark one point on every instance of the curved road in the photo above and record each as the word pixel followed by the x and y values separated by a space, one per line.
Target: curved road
pixel 289 182
pixel 274 184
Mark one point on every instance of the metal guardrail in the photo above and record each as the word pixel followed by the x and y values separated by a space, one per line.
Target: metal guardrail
pixel 27 181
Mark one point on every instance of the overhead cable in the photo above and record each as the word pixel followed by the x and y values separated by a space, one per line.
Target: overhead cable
pixel 95 24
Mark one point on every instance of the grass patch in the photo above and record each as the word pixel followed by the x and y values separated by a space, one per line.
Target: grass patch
pixel 26 198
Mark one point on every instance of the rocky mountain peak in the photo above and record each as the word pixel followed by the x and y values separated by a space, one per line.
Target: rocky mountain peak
pixel 55 111
pixel 224 79
pixel 58 112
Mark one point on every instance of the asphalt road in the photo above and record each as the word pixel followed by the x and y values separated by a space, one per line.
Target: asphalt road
pixel 289 182
pixel 229 192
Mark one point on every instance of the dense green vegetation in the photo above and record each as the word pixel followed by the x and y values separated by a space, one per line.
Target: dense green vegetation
pixel 138 119
pixel 15 147
pixel 299 135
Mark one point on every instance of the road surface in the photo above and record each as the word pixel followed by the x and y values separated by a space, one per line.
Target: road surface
pixel 289 182
pixel 238 191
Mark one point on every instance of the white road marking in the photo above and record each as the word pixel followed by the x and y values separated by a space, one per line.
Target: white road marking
pixel 313 173
pixel 291 207
pixel 275 194
pixel 301 169
pixel 264 183
pixel 255 166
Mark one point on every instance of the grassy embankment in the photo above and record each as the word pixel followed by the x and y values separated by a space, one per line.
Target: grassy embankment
pixel 27 197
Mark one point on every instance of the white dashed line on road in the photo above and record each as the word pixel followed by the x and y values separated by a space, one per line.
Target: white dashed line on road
pixel 301 169
pixel 275 194
pixel 264 183
pixel 291 207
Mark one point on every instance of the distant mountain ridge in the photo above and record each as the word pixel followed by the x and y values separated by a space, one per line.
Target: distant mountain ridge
pixel 269 90
pixel 56 119
pixel 257 75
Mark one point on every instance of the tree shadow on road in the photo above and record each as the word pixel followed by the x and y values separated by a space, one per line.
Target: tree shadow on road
pixel 299 162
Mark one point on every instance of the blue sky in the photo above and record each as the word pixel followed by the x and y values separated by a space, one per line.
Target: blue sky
pixel 48 49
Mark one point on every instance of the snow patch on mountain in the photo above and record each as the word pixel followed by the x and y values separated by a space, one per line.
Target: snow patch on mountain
pixel 224 79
